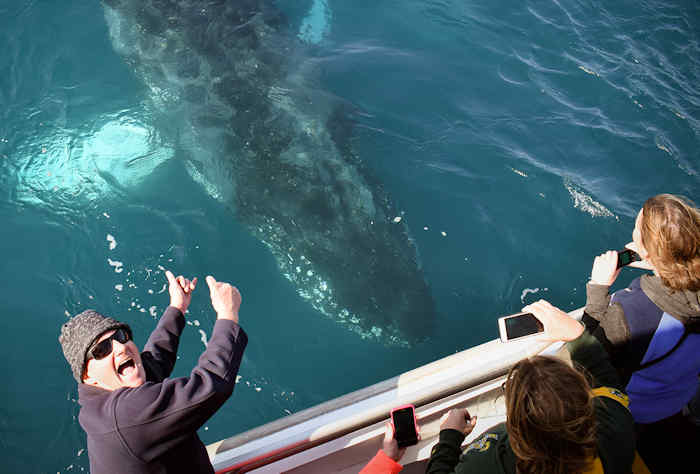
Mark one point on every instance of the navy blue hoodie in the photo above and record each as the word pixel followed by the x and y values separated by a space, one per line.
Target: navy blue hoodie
pixel 153 428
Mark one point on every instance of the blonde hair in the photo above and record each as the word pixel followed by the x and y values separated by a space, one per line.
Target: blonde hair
pixel 550 417
pixel 670 232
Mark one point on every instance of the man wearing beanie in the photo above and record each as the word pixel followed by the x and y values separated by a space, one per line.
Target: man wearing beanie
pixel 137 419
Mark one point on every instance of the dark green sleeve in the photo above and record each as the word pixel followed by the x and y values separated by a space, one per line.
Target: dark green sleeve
pixel 615 433
pixel 445 455
pixel 588 352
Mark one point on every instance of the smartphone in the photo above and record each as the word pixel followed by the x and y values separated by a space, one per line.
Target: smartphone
pixel 627 256
pixel 519 325
pixel 403 419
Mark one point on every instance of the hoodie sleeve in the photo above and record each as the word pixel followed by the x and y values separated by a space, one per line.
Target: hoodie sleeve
pixel 587 351
pixel 605 321
pixel 155 417
pixel 160 352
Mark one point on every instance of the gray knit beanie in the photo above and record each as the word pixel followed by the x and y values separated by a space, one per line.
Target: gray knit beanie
pixel 78 334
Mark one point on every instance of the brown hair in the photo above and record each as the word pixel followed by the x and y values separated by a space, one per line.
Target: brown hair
pixel 550 417
pixel 670 231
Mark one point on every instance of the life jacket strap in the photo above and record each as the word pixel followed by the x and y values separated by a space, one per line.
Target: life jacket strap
pixel 617 395
pixel 638 465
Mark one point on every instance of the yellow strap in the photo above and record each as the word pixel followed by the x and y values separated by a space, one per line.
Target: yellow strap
pixel 613 393
pixel 638 465
pixel 596 468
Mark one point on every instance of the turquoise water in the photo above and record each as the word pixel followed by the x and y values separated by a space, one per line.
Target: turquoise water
pixel 516 142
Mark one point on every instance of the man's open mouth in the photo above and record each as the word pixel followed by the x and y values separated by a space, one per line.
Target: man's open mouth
pixel 126 368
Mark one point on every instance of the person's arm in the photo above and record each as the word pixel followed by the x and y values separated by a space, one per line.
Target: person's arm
pixel 587 351
pixel 160 352
pixel 444 456
pixel 386 461
pixel 381 463
pixel 583 347
pixel 155 417
pixel 605 321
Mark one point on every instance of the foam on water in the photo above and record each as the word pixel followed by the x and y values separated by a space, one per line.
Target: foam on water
pixel 528 291
pixel 586 203
pixel 203 337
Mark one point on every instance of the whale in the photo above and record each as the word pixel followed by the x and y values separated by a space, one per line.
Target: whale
pixel 234 88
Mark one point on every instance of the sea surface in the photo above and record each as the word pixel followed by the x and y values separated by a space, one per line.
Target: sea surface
pixel 517 140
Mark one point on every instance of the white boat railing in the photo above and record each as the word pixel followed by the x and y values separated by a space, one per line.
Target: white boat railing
pixel 355 422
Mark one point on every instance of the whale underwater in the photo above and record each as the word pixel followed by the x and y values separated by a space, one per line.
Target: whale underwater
pixel 228 79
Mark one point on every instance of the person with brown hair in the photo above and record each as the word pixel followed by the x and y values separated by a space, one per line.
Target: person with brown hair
pixel 556 421
pixel 652 328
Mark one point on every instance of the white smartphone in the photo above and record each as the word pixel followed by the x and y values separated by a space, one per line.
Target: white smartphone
pixel 517 326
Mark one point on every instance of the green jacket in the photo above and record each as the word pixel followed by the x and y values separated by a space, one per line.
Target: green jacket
pixel 491 452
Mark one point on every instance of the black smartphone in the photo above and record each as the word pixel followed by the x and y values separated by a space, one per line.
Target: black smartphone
pixel 627 256
pixel 405 427
pixel 518 325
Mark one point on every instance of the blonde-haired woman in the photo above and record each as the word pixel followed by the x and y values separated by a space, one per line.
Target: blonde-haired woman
pixel 652 328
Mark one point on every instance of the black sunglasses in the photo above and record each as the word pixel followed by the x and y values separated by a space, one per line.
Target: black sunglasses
pixel 103 348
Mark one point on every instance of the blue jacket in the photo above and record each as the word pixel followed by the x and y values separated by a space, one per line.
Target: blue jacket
pixel 641 326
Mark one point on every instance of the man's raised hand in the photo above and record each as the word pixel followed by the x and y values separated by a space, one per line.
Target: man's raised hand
pixel 180 290
pixel 225 299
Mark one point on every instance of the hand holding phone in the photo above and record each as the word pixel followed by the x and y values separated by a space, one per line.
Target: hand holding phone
pixel 403 419
pixel 389 444
pixel 605 269
pixel 627 256
pixel 558 325
pixel 517 326
pixel 641 263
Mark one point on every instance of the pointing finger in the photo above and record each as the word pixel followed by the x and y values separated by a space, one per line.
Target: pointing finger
pixel 169 276
pixel 211 282
pixel 184 284
pixel 193 283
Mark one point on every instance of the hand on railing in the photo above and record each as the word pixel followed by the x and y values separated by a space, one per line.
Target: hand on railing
pixel 458 419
